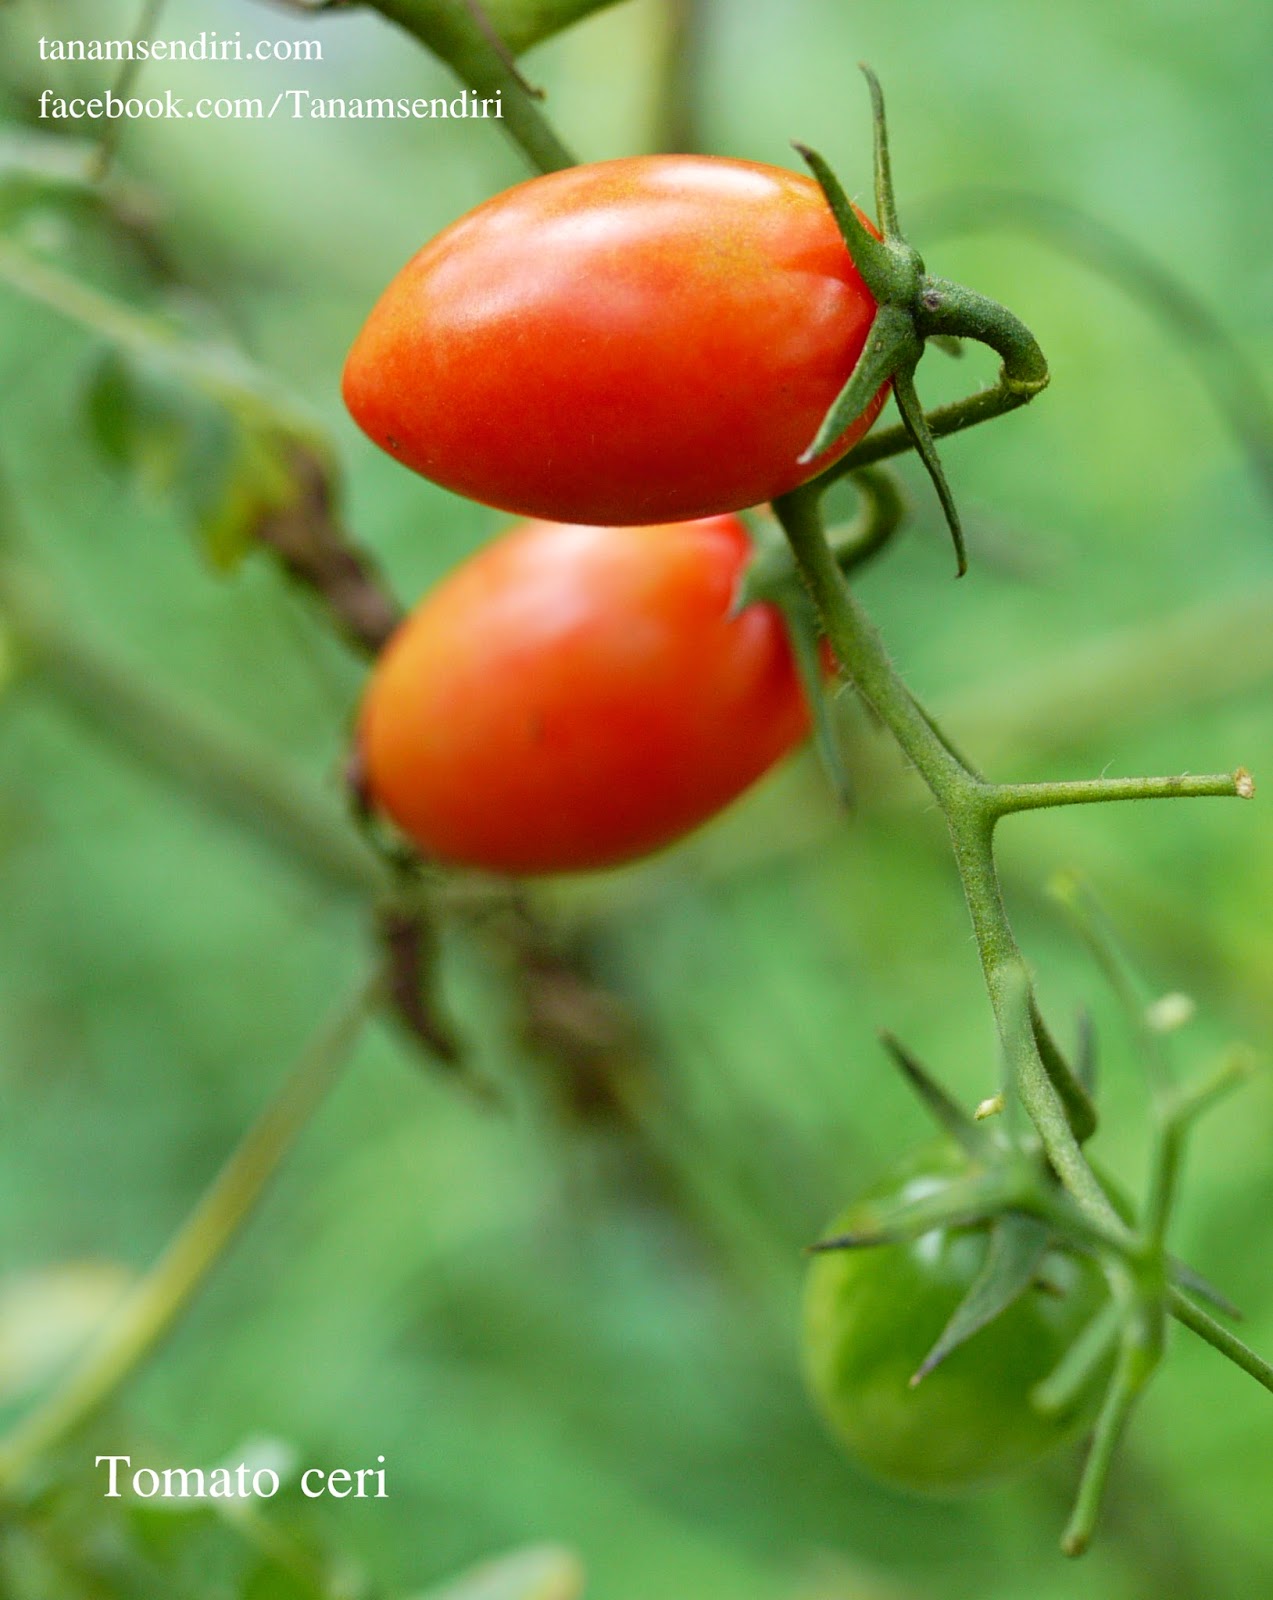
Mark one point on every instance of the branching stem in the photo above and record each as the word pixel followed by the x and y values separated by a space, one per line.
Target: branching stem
pixel 971 807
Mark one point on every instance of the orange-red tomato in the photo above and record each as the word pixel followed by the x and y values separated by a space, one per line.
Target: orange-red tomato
pixel 574 697
pixel 638 341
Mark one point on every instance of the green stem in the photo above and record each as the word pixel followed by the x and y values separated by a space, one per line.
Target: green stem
pixel 1064 1385
pixel 224 772
pixel 963 800
pixel 882 444
pixel 1008 797
pixel 1222 363
pixel 953 310
pixel 772 569
pixel 147 22
pixel 162 1295
pixel 1177 1112
pixel 1136 1362
pixel 950 309
pixel 1216 1334
pixel 859 647
pixel 452 32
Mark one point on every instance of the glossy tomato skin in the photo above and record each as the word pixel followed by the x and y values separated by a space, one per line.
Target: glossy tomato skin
pixel 638 341
pixel 574 697
pixel 872 1315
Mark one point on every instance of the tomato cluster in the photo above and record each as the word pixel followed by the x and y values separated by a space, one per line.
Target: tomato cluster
pixel 629 354
pixel 632 350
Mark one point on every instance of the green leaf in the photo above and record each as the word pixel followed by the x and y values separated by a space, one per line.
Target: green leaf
pixel 145 424
pixel 543 1572
pixel 227 494
pixel 1017 1247
pixel 226 468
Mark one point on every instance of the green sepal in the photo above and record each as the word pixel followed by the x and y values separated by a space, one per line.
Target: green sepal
pixel 1079 1109
pixel 889 346
pixel 885 203
pixel 961 1203
pixel 971 1135
pixel 1081 1362
pixel 1185 1277
pixel 801 622
pixel 870 256
pixel 770 574
pixel 1016 1249
pixel 908 403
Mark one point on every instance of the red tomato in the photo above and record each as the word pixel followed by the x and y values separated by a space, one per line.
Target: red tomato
pixel 573 697
pixel 633 342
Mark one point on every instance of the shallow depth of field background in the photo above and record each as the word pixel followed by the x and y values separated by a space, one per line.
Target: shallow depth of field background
pixel 552 1327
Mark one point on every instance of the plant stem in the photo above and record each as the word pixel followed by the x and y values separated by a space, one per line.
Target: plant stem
pixel 1215 1333
pixel 966 803
pixel 1133 1369
pixel 1220 359
pixel 127 76
pixel 156 1302
pixel 453 33
pixel 951 309
pixel 1008 797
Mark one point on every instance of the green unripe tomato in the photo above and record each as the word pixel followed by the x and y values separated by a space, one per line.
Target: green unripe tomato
pixel 873 1314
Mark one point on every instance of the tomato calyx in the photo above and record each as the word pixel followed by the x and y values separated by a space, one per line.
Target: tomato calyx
pixel 1003 1186
pixel 991 1179
pixel 914 307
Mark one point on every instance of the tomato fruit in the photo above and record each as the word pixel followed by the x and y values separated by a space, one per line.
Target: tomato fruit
pixel 872 1315
pixel 572 697
pixel 638 341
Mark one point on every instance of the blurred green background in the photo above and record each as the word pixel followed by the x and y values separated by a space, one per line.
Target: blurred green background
pixel 574 1319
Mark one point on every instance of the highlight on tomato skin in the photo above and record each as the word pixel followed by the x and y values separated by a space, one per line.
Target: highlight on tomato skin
pixel 644 340
pixel 573 697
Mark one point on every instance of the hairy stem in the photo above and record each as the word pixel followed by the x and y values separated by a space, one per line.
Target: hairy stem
pixel 470 48
pixel 966 803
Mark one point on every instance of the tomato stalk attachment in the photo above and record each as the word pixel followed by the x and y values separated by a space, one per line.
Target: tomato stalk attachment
pixel 914 307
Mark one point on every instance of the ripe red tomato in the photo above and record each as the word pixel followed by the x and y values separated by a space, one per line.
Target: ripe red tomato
pixel 638 341
pixel 873 1314
pixel 573 697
